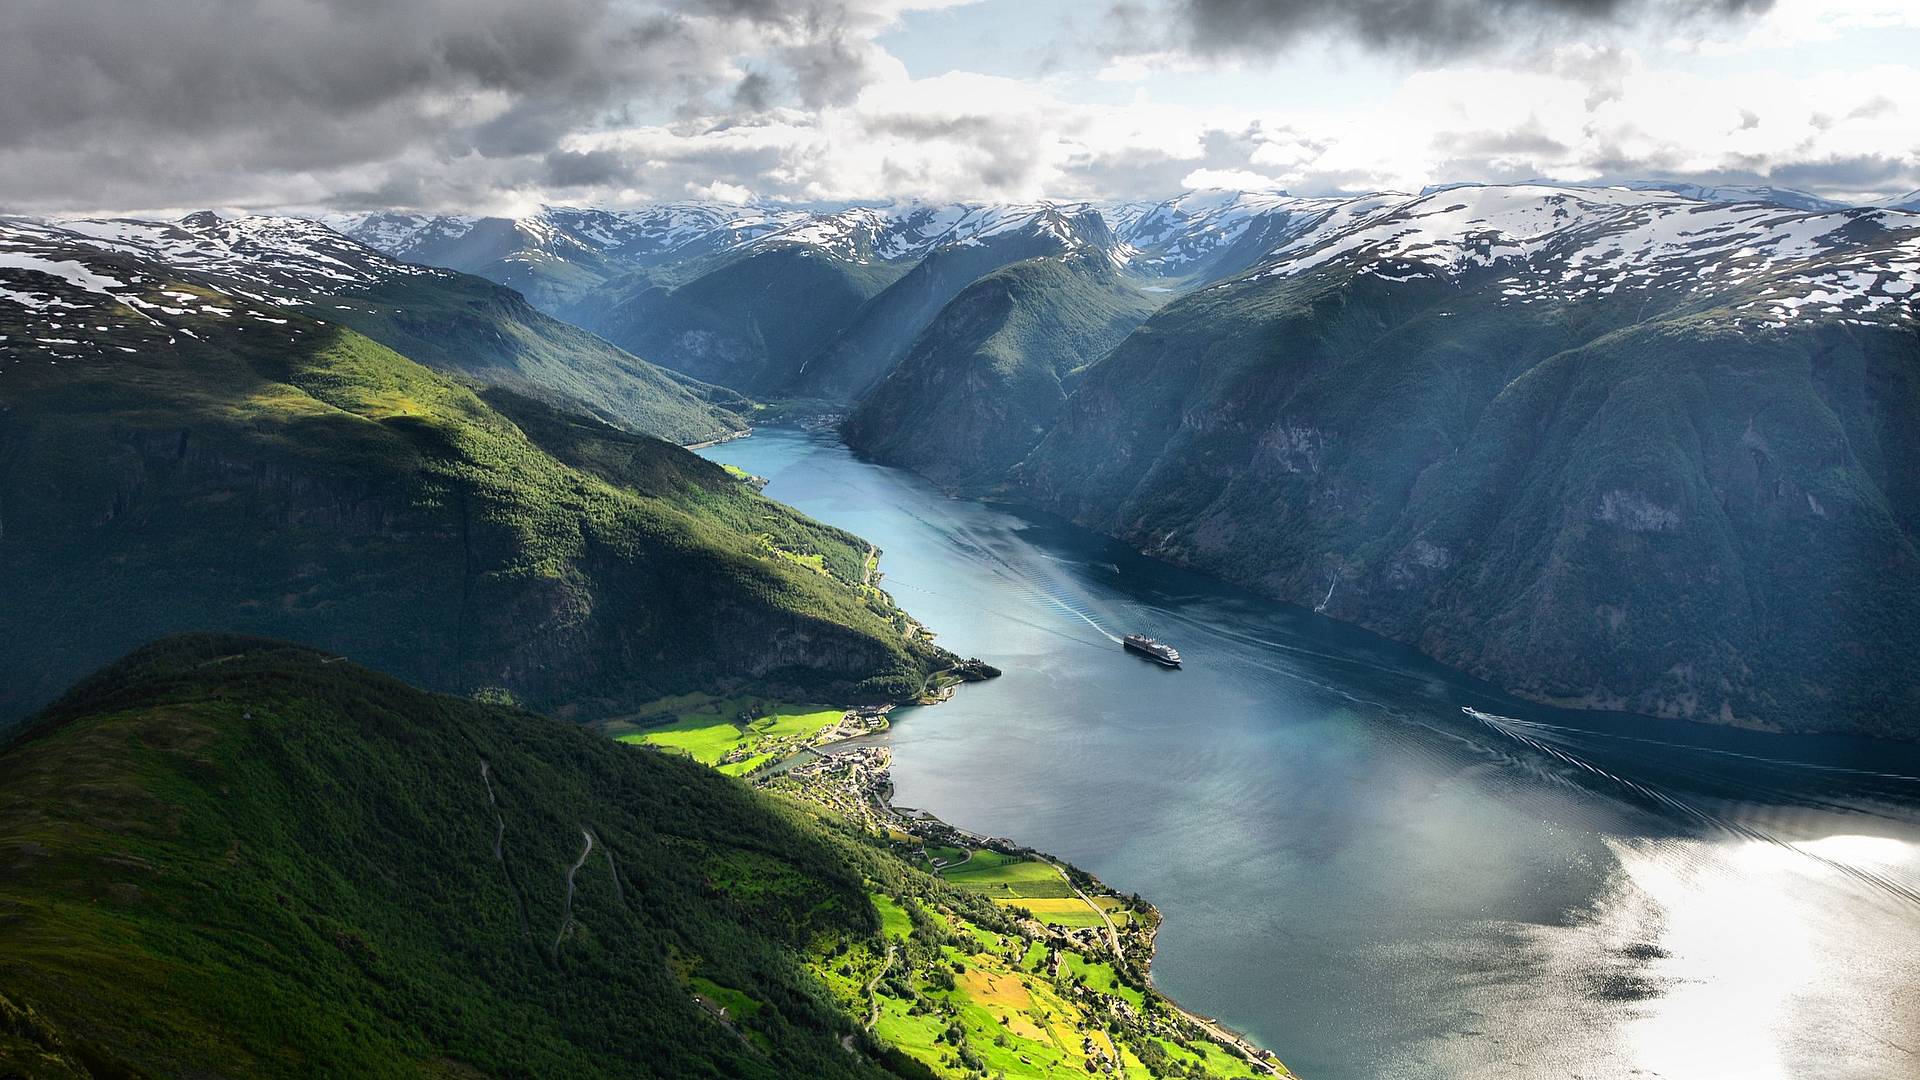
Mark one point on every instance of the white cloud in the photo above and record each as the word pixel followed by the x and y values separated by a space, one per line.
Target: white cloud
pixel 763 99
pixel 1229 180
pixel 720 191
pixel 1790 24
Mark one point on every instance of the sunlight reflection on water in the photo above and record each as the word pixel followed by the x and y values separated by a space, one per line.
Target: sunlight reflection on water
pixel 1366 877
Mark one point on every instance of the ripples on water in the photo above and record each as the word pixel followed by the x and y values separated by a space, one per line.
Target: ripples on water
pixel 1381 868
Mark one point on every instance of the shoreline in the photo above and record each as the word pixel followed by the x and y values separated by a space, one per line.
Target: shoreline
pixel 884 814
pixel 730 437
pixel 877 794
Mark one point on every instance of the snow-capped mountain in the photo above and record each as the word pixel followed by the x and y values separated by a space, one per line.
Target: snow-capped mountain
pixel 561 255
pixel 1778 196
pixel 908 230
pixel 666 231
pixel 1577 244
pixel 677 232
pixel 274 260
pixel 1207 234
pixel 168 274
pixel 400 233
pixel 99 287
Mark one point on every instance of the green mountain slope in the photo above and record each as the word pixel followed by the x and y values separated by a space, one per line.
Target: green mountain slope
pixel 236 857
pixel 747 323
pixel 450 321
pixel 472 327
pixel 867 347
pixel 230 857
pixel 986 379
pixel 1637 501
pixel 166 468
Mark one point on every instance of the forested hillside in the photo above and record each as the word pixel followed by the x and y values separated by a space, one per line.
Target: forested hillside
pixel 1612 452
pixel 232 856
pixel 174 456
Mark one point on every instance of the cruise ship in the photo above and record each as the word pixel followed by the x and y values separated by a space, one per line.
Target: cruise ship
pixel 1153 650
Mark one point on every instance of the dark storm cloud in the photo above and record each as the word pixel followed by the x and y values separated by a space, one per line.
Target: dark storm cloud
pixel 575 169
pixel 143 103
pixel 1848 173
pixel 1429 29
pixel 189 66
pixel 822 44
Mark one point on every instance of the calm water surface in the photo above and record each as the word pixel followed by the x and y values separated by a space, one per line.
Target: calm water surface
pixel 1360 872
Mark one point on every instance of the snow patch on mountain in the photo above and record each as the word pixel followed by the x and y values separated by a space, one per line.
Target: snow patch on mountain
pixel 1560 241
pixel 269 254
pixel 88 288
pixel 74 273
pixel 1572 245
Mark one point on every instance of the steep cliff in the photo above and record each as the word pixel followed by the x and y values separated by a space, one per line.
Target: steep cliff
pixel 1675 480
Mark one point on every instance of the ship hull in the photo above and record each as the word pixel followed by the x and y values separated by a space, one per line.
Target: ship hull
pixel 1149 654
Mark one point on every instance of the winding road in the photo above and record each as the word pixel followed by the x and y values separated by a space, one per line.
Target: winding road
pixel 500 856
pixel 500 835
pixel 566 916
pixel 873 1014
pixel 1113 936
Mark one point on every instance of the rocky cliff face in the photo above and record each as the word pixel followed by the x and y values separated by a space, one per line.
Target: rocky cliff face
pixel 1701 516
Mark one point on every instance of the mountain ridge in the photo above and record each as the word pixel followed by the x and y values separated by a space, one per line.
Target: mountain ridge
pixel 176 457
pixel 454 321
pixel 239 856
pixel 1618 452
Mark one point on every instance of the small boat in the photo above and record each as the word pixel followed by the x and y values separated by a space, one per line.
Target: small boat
pixel 1153 650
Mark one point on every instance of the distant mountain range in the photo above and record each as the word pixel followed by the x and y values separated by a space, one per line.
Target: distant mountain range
pixel 1643 447
pixel 1640 447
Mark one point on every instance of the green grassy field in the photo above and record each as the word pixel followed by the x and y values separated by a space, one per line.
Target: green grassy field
pixel 735 735
pixel 1070 912
pixel 894 921
pixel 993 1016
pixel 945 854
pixel 976 1000
pixel 1004 876
pixel 1029 884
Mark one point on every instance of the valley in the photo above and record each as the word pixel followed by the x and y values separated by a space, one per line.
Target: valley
pixel 960 540
pixel 212 419
pixel 1624 448
pixel 418 471
pixel 1367 862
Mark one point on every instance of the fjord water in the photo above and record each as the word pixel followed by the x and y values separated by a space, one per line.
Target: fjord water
pixel 1378 867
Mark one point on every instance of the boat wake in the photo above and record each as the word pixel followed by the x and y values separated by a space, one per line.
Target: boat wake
pixel 1037 584
pixel 1562 744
